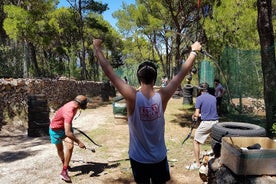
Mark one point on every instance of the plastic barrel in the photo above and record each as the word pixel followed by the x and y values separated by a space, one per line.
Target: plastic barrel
pixel 38 116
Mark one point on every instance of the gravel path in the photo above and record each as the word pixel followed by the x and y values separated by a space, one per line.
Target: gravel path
pixel 26 159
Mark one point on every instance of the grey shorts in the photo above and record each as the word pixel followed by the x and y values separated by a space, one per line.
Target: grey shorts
pixel 204 130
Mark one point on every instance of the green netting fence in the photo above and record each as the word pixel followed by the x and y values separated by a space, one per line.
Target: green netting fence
pixel 207 72
pixel 240 72
pixel 128 71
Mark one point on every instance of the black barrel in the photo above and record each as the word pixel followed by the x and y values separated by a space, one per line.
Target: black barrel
pixel 38 116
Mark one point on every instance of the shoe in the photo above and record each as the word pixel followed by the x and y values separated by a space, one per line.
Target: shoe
pixel 69 168
pixel 193 166
pixel 64 176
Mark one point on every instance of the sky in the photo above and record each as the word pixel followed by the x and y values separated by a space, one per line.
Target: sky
pixel 113 6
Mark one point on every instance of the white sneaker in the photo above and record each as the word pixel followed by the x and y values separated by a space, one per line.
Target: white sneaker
pixel 193 166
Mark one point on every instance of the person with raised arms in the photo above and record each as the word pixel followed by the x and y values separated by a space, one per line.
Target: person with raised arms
pixel 145 111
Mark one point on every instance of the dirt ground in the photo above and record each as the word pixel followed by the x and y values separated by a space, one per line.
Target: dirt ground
pixel 26 159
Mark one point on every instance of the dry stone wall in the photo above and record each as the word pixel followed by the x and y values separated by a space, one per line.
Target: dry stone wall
pixel 14 95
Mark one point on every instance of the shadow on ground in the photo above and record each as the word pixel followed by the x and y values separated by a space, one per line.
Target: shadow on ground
pixel 94 167
pixel 23 143
pixel 184 119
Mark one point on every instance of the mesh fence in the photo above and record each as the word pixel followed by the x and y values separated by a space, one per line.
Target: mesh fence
pixel 206 73
pixel 128 71
pixel 240 72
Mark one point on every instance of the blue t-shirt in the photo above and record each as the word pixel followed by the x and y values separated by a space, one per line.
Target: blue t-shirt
pixel 207 105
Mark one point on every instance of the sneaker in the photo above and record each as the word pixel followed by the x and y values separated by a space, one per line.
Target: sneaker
pixel 69 168
pixel 193 166
pixel 64 176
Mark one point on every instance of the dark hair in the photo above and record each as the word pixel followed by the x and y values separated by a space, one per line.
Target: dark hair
pixel 203 86
pixel 147 72
pixel 216 80
pixel 82 102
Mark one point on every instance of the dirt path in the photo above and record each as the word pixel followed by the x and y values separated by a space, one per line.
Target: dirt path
pixel 34 160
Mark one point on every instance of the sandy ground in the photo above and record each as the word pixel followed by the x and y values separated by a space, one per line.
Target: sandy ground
pixel 26 159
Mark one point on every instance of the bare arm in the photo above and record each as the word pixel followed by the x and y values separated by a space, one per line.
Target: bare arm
pixel 196 115
pixel 70 134
pixel 128 92
pixel 169 90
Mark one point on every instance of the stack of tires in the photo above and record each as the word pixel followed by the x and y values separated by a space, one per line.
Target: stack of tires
pixel 233 129
pixel 188 94
pixel 107 90
pixel 38 116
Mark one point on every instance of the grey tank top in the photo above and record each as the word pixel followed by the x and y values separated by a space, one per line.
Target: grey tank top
pixel 146 130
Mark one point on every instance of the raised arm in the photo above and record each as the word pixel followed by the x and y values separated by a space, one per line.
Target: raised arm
pixel 169 90
pixel 126 90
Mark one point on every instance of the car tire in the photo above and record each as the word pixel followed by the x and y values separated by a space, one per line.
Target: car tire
pixel 236 129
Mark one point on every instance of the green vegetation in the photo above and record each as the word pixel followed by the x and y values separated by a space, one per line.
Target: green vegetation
pixel 274 128
pixel 39 39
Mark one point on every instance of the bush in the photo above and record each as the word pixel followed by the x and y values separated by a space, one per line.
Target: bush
pixel 274 128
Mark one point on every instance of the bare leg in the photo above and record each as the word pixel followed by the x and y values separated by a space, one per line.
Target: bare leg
pixel 60 151
pixel 69 145
pixel 197 152
pixel 65 157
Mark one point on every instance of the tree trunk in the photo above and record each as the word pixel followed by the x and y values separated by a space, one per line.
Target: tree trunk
pixel 25 60
pixel 33 59
pixel 82 60
pixel 3 35
pixel 82 55
pixel 265 29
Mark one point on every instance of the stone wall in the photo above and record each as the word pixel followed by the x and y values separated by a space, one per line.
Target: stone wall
pixel 14 95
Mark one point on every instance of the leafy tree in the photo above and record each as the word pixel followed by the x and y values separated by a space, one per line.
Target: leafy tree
pixel 23 24
pixel 136 46
pixel 225 27
pixel 165 24
pixel 97 27
pixel 82 8
pixel 273 4
pixel 3 35
pixel 56 41
pixel 61 45
pixel 14 25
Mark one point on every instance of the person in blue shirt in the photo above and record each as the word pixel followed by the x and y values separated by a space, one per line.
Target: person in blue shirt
pixel 206 110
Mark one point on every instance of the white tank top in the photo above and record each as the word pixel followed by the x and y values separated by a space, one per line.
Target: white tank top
pixel 146 130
